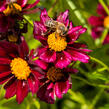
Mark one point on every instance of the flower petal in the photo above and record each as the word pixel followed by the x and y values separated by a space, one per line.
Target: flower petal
pixel 63 17
pixel 44 16
pixel 41 64
pixel 61 88
pixel 39 29
pixel 33 84
pixel 48 56
pixel 32 5
pixel 4 68
pixel 23 48
pixel 63 60
pixel 10 87
pixel 78 55
pixel 5 61
pixel 45 95
pixel 22 91
pixel 4 74
pixel 97 31
pixel 101 11
pixel 95 21
pixel 4 79
pixel 22 3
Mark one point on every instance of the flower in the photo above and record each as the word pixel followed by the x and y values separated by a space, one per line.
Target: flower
pixel 56 82
pixel 17 70
pixel 58 49
pixel 99 23
pixel 11 7
pixel 12 32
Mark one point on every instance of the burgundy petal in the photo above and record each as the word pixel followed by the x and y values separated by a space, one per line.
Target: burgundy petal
pixel 63 17
pixel 44 16
pixel 22 91
pixel 10 48
pixel 73 29
pixel 22 3
pixel 79 45
pixel 10 87
pixel 2 5
pixel 4 79
pixel 33 84
pixel 23 48
pixel 100 10
pixel 36 74
pixel 32 5
pixel 95 21
pixel 45 95
pixel 2 52
pixel 63 60
pixel 41 64
pixel 39 29
pixel 106 41
pixel 5 61
pixel 70 70
pixel 4 68
pixel 61 88
pixel 70 26
pixel 97 31
pixel 48 56
pixel 78 55
pixel 4 74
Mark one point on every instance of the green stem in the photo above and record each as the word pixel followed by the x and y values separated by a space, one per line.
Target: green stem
pixel 100 70
pixel 103 36
pixel 100 62
pixel 104 6
pixel 96 98
pixel 87 82
pixel 27 19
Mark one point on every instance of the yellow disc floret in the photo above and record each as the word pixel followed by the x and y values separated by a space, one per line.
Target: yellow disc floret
pixel 56 42
pixel 20 68
pixel 106 22
pixel 12 8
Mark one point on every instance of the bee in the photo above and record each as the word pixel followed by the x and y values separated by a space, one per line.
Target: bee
pixel 57 27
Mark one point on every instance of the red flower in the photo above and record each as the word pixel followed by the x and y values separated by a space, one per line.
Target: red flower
pixel 56 82
pixel 98 23
pixel 10 7
pixel 17 70
pixel 58 49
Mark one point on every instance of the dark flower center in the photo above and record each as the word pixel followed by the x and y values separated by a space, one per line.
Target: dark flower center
pixel 55 74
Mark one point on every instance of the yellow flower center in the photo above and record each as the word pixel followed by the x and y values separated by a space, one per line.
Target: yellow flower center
pixel 20 68
pixel 54 74
pixel 12 8
pixel 12 38
pixel 56 42
pixel 106 22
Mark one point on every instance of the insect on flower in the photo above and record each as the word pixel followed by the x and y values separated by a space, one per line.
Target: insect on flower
pixel 56 26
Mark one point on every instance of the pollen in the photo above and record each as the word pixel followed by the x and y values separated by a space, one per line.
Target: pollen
pixel 106 22
pixel 56 42
pixel 55 74
pixel 20 68
pixel 12 8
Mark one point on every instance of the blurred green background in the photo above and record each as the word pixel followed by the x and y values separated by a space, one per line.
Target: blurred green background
pixel 88 89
